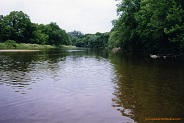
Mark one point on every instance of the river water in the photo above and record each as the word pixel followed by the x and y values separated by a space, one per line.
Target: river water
pixel 88 86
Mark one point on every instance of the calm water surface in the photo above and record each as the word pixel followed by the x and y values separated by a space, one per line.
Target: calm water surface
pixel 85 86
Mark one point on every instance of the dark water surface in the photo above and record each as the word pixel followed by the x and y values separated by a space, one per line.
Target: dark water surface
pixel 85 86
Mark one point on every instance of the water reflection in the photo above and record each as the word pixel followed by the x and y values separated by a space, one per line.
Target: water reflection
pixel 19 70
pixel 59 86
pixel 88 86
pixel 148 89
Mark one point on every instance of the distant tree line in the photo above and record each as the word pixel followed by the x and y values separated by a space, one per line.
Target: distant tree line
pixel 142 26
pixel 97 40
pixel 18 27
pixel 146 26
pixel 153 26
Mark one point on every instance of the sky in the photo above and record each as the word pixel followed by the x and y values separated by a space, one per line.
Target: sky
pixel 87 16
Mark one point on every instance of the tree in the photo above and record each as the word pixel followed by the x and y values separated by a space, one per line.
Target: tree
pixel 50 34
pixel 160 25
pixel 1 26
pixel 16 26
pixel 57 36
pixel 74 36
pixel 124 30
pixel 98 40
pixel 149 25
pixel 175 24
pixel 39 37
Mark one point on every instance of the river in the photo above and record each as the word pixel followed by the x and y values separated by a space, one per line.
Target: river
pixel 89 86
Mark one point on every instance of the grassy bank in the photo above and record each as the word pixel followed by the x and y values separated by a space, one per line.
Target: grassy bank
pixel 13 45
pixel 67 47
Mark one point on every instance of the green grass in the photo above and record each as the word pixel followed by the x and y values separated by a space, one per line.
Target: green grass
pixel 67 46
pixel 13 45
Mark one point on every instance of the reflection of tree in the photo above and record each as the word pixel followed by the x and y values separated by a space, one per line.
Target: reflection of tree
pixel 87 52
pixel 148 89
pixel 14 69
pixel 125 96
pixel 19 69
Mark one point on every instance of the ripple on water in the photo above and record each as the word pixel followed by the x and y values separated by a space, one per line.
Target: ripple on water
pixel 77 89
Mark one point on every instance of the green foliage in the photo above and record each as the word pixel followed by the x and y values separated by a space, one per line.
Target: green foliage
pixel 33 46
pixel 1 27
pixel 17 26
pixel 57 36
pixel 74 36
pixel 10 44
pixel 98 40
pixel 39 37
pixel 149 25
pixel 50 34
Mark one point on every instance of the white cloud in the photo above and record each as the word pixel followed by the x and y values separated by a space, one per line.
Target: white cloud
pixel 88 16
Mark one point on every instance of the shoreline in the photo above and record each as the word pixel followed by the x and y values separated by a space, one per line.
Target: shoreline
pixel 18 50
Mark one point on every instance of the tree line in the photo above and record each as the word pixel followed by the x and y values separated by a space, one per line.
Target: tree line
pixel 145 26
pixel 142 26
pixel 150 26
pixel 17 27
pixel 97 40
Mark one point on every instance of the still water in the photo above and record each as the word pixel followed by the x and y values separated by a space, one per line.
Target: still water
pixel 86 86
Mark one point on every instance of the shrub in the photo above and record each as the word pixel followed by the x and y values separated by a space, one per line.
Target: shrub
pixel 10 44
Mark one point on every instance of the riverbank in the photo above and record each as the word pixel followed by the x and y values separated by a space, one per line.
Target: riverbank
pixel 18 50
pixel 13 45
pixel 24 46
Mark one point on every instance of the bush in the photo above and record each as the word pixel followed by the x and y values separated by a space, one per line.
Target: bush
pixel 10 44
pixel 2 46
